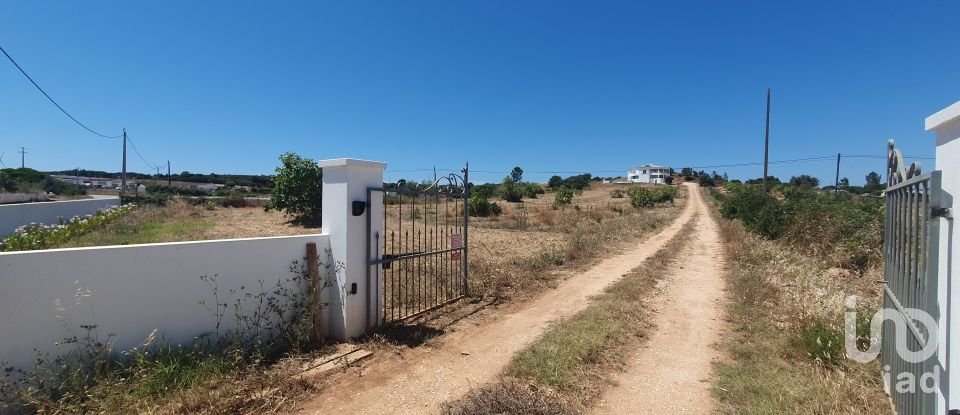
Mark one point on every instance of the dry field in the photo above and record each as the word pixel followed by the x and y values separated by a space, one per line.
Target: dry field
pixel 180 221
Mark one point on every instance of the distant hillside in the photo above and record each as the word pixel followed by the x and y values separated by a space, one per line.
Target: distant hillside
pixel 32 181
pixel 256 181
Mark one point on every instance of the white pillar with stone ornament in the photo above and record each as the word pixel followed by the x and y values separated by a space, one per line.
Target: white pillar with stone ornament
pixel 946 125
pixel 345 219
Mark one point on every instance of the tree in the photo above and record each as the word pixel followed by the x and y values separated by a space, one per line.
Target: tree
pixel 706 181
pixel 873 182
pixel 297 189
pixel 555 181
pixel 844 183
pixel 517 174
pixel 510 190
pixel 805 181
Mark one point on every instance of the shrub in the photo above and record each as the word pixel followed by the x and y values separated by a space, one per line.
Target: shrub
pixel 617 193
pixel 563 197
pixel 297 189
pixel 641 197
pixel 480 206
pixel 531 190
pixel 486 190
pixel 510 190
pixel 823 344
pixel 845 230
pixel 40 236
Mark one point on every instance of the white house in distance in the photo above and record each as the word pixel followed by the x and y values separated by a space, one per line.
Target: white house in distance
pixel 648 173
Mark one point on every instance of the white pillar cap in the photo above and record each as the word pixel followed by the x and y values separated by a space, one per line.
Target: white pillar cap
pixel 351 162
pixel 943 117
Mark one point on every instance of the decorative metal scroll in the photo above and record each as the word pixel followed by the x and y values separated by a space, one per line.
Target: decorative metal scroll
pixel 896 170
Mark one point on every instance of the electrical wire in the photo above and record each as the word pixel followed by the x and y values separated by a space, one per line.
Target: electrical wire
pixel 134 146
pixel 51 99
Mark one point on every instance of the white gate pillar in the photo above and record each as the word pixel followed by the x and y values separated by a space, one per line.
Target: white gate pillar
pixel 345 184
pixel 946 124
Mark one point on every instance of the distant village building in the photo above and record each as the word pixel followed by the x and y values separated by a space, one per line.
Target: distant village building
pixel 648 173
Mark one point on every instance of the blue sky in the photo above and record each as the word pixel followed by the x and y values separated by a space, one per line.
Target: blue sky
pixel 547 85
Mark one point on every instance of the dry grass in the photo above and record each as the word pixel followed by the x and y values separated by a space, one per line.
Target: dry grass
pixel 510 396
pixel 568 367
pixel 180 221
pixel 779 298
pixel 511 258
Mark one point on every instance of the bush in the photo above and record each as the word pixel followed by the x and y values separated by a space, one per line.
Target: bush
pixel 843 229
pixel 823 344
pixel 297 189
pixel 480 206
pixel 40 236
pixel 562 197
pixel 645 197
pixel 486 190
pixel 617 193
pixel 531 190
pixel 26 180
pixel 641 197
pixel 510 190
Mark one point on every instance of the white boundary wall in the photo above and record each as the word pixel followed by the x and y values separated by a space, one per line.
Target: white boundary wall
pixel 946 125
pixel 133 289
pixel 136 289
pixel 16 215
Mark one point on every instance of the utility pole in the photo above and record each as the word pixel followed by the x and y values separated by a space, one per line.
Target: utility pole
pixel 23 152
pixel 123 172
pixel 836 181
pixel 766 145
pixel 77 176
pixel 168 173
pixel 156 179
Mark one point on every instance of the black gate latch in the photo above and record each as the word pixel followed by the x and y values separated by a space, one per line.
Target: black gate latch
pixel 939 212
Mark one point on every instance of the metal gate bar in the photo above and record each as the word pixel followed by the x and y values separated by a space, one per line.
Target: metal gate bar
pixel 421 259
pixel 910 273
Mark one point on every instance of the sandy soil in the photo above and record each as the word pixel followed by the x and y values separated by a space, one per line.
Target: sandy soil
pixel 419 381
pixel 670 374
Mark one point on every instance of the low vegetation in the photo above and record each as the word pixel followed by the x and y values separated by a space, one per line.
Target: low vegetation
pixel 843 229
pixel 44 236
pixel 785 345
pixel 547 238
pixel 567 368
pixel 26 180
pixel 645 197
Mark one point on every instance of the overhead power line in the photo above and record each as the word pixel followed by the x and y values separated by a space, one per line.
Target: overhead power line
pixel 134 146
pixel 51 99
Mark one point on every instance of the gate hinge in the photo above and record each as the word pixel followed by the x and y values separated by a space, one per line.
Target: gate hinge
pixel 938 212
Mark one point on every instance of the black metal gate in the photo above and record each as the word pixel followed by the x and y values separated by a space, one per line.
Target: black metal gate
pixel 421 258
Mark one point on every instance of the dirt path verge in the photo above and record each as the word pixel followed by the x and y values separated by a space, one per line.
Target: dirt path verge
pixel 671 373
pixel 431 375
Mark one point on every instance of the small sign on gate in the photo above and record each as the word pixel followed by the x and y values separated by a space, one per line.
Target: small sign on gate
pixel 456 241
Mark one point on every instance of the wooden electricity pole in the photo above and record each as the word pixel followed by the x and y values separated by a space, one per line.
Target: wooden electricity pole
pixel 123 172
pixel 766 146
pixel 168 173
pixel 836 180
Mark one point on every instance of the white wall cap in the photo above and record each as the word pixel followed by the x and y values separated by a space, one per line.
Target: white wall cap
pixel 351 162
pixel 942 117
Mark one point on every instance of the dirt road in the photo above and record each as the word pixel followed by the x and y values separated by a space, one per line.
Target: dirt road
pixel 670 374
pixel 429 376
